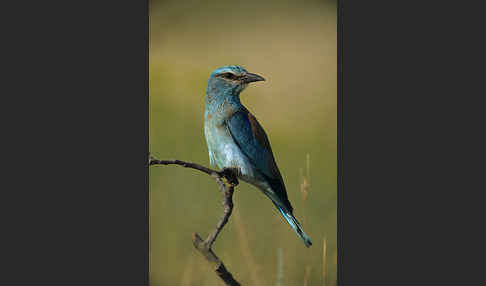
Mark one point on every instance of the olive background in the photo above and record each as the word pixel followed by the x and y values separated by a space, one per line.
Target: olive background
pixel 292 44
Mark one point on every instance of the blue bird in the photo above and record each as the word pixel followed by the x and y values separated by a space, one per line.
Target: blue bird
pixel 238 142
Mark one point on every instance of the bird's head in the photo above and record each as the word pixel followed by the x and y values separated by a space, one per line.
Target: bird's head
pixel 230 80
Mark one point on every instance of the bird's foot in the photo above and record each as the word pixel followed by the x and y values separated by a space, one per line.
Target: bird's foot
pixel 230 175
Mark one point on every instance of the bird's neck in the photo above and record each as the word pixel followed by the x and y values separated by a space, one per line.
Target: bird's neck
pixel 219 101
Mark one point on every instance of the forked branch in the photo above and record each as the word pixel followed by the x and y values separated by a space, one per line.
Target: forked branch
pixel 227 189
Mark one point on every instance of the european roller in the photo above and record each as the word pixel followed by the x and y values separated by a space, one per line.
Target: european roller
pixel 238 142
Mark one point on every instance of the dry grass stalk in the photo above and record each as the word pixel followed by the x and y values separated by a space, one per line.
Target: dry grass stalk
pixel 280 268
pixel 304 190
pixel 307 275
pixel 324 246
pixel 308 166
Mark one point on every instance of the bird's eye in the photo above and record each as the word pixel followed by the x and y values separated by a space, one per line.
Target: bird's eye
pixel 229 75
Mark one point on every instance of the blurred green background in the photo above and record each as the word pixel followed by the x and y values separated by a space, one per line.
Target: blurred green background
pixel 293 45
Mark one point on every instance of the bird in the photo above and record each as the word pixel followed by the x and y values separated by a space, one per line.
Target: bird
pixel 236 141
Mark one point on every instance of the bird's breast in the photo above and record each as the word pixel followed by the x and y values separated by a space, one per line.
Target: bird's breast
pixel 223 150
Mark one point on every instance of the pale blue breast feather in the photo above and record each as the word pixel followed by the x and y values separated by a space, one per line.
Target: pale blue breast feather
pixel 207 134
pixel 223 151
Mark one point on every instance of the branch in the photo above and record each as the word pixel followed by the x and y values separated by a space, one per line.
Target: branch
pixel 205 246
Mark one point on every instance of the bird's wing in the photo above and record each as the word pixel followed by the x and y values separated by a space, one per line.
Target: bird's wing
pixel 252 140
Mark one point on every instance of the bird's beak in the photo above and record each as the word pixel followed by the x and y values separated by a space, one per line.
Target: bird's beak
pixel 251 77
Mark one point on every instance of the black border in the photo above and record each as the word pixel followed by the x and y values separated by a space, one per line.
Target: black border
pixel 77 86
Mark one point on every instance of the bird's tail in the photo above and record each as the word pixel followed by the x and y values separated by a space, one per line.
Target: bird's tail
pixel 294 223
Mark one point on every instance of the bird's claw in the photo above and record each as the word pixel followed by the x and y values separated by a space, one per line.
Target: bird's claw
pixel 230 176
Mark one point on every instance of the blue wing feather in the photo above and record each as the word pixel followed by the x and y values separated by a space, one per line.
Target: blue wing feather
pixel 253 142
pixel 242 133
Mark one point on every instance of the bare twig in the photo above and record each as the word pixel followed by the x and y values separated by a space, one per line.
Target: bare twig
pixel 227 189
